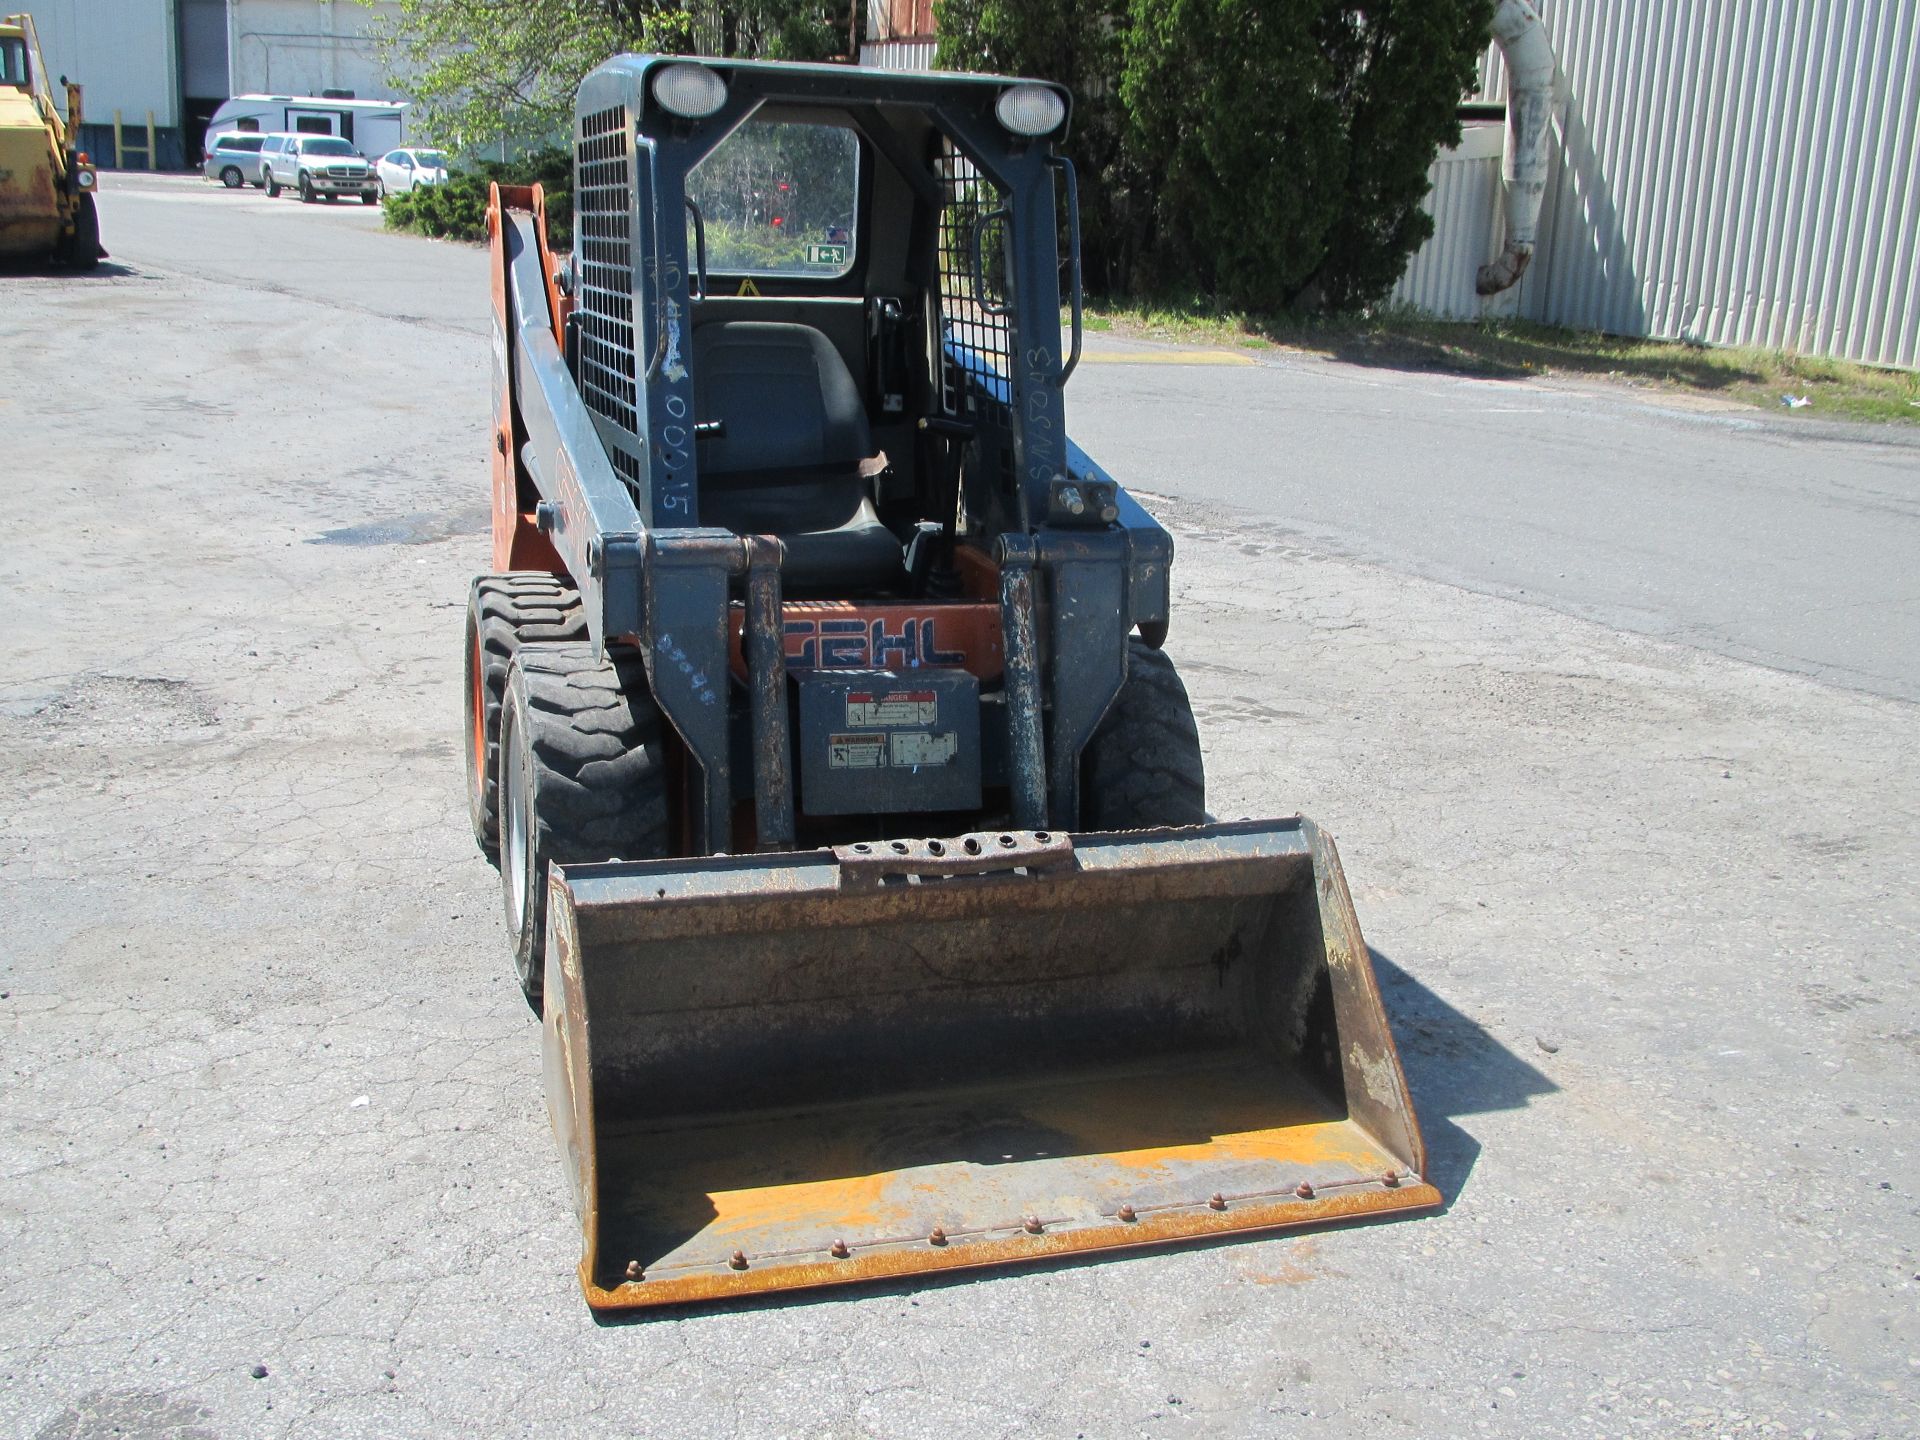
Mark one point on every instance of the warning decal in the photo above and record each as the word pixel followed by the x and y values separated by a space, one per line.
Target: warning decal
pixel 892 707
pixel 857 752
pixel 921 747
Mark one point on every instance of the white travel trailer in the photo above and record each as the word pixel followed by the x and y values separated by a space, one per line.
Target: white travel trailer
pixel 372 127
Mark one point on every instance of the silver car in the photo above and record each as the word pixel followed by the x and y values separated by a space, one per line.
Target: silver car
pixel 233 160
pixel 316 166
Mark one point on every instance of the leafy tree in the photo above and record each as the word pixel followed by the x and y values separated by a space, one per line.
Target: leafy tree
pixel 772 29
pixel 485 71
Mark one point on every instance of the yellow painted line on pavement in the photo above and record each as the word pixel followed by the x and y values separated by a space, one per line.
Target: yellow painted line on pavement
pixel 1166 357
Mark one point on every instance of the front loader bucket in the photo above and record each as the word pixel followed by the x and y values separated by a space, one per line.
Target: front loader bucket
pixel 769 1072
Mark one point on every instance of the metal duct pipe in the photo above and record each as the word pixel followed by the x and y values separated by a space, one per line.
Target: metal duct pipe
pixel 1522 38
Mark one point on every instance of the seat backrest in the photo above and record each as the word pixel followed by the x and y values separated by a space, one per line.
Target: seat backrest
pixel 785 396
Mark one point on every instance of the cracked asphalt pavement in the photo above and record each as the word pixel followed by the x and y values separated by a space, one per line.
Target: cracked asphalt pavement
pixel 273 1157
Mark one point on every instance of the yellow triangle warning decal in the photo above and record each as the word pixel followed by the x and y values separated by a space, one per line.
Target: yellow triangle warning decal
pixel 747 287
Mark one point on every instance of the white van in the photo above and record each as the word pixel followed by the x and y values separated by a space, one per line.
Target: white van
pixel 372 127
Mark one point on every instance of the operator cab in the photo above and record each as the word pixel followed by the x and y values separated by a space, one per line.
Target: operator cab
pixel 780 233
pixel 849 279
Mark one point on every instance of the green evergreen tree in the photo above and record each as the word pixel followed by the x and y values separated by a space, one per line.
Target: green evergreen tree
pixel 1076 42
pixel 1264 153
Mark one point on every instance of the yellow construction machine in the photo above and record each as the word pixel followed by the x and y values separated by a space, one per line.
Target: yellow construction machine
pixel 46 183
pixel 850 815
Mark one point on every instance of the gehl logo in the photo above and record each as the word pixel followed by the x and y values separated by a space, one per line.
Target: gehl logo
pixel 864 645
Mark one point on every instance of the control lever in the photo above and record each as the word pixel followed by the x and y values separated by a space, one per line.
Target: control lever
pixel 950 439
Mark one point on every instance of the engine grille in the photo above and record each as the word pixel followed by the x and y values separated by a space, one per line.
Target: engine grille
pixel 603 255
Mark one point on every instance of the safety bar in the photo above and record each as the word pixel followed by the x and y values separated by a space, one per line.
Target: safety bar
pixel 1004 216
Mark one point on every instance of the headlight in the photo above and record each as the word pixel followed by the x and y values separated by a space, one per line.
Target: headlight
pixel 692 91
pixel 85 179
pixel 1030 109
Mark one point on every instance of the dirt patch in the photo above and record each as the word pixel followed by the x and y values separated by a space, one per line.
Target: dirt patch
pixel 121 710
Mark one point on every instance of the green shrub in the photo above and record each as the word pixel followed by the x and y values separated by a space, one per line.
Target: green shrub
pixel 457 210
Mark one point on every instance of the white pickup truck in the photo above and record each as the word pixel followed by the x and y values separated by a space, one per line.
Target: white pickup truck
pixel 317 165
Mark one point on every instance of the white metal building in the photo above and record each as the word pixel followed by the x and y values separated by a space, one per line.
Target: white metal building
pixel 176 60
pixel 1740 172
pixel 124 54
pixel 305 47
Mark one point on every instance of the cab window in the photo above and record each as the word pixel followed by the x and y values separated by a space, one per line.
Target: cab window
pixel 779 199
pixel 13 60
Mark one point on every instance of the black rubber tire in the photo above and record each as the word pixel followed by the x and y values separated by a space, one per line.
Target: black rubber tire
pixel 503 611
pixel 1143 766
pixel 583 779
pixel 86 250
pixel 369 197
pixel 232 178
pixel 306 190
pixel 273 186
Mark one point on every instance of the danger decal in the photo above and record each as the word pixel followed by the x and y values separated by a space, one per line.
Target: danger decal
pixel 893 707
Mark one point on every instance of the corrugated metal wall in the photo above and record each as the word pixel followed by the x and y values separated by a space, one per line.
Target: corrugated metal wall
pixel 1733 171
pixel 122 52
pixel 1465 204
pixel 898 54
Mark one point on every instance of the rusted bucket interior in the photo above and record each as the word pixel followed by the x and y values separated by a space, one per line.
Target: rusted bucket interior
pixel 764 1078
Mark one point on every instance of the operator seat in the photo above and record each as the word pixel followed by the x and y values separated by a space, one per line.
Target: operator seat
pixel 794 457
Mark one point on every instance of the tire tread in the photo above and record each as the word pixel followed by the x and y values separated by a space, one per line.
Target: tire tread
pixel 1143 767
pixel 508 610
pixel 598 786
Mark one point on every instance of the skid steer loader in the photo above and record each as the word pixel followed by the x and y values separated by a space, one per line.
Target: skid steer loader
pixel 849 816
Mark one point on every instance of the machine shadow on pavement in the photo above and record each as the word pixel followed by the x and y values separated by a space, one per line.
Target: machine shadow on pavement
pixel 43 270
pixel 1454 1067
